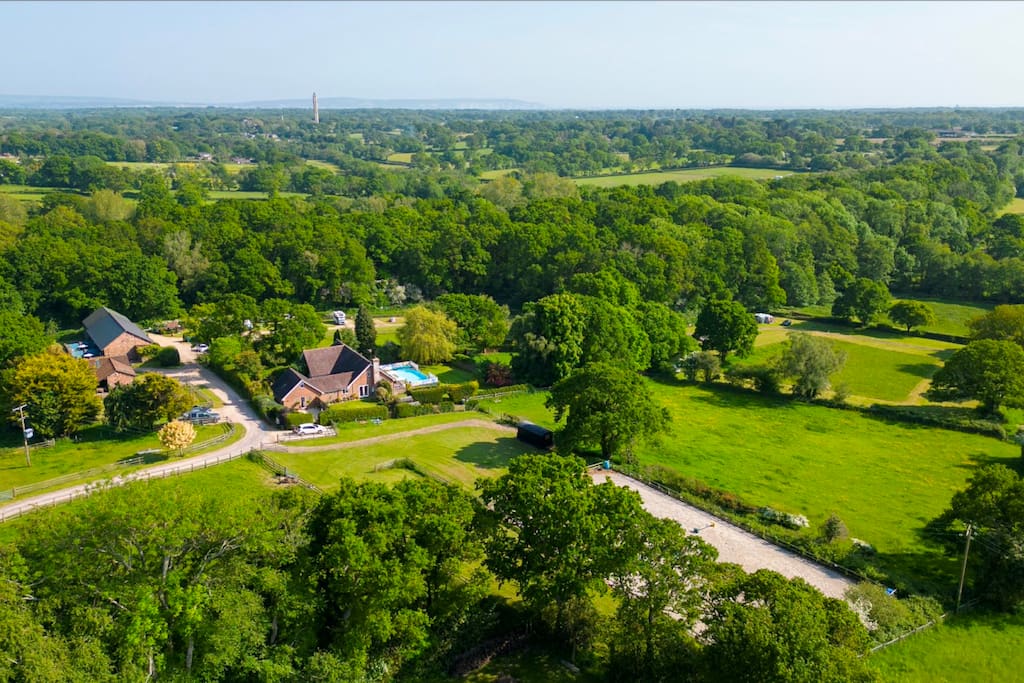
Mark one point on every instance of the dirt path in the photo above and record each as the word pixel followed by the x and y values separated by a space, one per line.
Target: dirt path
pixel 733 543
pixel 484 424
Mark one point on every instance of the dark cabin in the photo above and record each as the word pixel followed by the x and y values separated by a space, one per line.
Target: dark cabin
pixel 535 435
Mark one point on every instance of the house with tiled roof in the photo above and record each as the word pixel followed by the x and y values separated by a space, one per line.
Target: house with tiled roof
pixel 112 372
pixel 114 334
pixel 336 373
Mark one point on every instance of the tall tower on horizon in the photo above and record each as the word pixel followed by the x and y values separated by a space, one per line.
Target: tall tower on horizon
pixel 316 110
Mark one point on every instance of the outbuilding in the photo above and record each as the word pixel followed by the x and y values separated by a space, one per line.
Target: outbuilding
pixel 535 435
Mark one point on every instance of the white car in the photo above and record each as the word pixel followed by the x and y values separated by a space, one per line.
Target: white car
pixel 309 429
pixel 200 348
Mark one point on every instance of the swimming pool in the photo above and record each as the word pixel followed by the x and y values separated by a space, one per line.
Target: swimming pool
pixel 409 374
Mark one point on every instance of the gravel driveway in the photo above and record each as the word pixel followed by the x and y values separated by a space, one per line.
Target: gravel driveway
pixel 733 543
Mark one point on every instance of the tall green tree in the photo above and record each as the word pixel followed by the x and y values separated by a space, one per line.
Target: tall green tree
pixel 809 361
pixel 1004 322
pixel 366 331
pixel 764 627
pixel 607 406
pixel 548 338
pixel 912 314
pixel 149 399
pixel 427 336
pixel 482 322
pixel 20 335
pixel 291 329
pixel 726 326
pixel 865 300
pixel 987 370
pixel 556 535
pixel 60 392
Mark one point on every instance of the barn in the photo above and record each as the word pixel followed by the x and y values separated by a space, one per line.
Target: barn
pixel 535 435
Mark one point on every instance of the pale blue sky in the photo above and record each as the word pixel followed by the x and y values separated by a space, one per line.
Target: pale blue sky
pixel 558 54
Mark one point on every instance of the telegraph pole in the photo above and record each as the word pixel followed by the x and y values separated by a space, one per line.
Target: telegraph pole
pixel 24 433
pixel 963 568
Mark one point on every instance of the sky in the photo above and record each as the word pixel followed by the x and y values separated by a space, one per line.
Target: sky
pixel 582 54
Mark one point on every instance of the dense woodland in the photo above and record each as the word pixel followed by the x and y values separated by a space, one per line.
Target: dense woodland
pixel 369 582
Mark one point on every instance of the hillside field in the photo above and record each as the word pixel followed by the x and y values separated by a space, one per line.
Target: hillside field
pixel 680 176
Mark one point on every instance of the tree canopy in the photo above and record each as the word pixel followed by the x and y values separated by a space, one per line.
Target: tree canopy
pixel 987 370
pixel 725 327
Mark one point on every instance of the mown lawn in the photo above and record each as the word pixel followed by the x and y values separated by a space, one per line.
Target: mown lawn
pixel 242 478
pixel 96 447
pixel 973 647
pixel 680 176
pixel 885 480
pixel 882 367
pixel 950 316
pixel 459 455
pixel 1015 206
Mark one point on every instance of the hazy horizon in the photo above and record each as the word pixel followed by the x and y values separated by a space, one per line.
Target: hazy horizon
pixel 558 55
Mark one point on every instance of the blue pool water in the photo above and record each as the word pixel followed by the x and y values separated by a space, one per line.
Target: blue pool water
pixel 408 374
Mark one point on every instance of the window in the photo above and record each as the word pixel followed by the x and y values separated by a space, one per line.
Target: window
pixel 302 402
pixel 364 391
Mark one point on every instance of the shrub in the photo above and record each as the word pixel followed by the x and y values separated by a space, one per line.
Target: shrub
pixel 833 529
pixel 498 374
pixel 149 350
pixel 352 411
pixel 428 395
pixel 266 406
pixel 446 406
pixel 763 378
pixel 784 518
pixel 296 419
pixel 460 392
pixel 168 357
pixel 890 616
pixel 412 410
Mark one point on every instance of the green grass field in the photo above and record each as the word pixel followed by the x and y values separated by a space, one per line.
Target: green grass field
pixel 1015 206
pixel 681 176
pixel 880 366
pixel 950 316
pixel 497 173
pixel 96 447
pixel 400 157
pixel 242 194
pixel 459 455
pixel 30 193
pixel 884 480
pixel 982 647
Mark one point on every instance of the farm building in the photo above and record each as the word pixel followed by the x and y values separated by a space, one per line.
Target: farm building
pixel 535 435
pixel 112 372
pixel 115 335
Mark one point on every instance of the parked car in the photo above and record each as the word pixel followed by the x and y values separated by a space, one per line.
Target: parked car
pixel 201 415
pixel 309 429
pixel 787 323
pixel 200 348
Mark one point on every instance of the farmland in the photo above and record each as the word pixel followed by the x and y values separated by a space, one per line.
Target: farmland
pixel 680 176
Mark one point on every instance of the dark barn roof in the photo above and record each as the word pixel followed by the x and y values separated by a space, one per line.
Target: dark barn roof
pixel 335 360
pixel 535 435
pixel 104 325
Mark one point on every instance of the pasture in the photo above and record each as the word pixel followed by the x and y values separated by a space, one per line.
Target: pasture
pixel 880 365
pixel 680 176
pixel 29 193
pixel 950 316
pixel 884 479
pixel 459 455
pixel 95 447
pixel 1015 206
pixel 969 647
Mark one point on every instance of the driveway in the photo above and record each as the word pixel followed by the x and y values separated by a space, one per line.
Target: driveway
pixel 733 543
pixel 235 410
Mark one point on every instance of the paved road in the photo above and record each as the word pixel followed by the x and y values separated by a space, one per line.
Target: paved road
pixel 734 544
pixel 235 410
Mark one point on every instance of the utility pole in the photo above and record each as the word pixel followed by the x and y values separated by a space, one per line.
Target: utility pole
pixel 963 568
pixel 24 432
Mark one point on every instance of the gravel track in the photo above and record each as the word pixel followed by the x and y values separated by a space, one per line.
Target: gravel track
pixel 733 543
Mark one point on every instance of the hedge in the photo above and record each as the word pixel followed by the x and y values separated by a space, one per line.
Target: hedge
pixel 350 412
pixel 500 391
pixel 460 392
pixel 410 410
pixel 428 395
pixel 296 419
